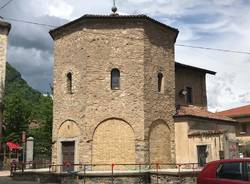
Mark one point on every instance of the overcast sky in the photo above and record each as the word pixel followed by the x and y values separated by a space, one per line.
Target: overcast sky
pixel 221 24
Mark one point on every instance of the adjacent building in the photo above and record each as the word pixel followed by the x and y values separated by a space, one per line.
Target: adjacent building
pixel 242 116
pixel 200 136
pixel 4 31
pixel 120 97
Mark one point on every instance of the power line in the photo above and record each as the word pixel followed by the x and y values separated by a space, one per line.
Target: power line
pixel 213 49
pixel 180 45
pixel 29 22
pixel 6 4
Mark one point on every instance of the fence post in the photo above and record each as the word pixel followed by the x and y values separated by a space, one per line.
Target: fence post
pixel 84 173
pixel 157 172
pixel 112 167
pixel 23 166
pixel 11 169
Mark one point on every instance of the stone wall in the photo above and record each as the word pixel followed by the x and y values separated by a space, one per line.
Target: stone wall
pixel 3 58
pixel 89 51
pixel 125 178
pixel 4 31
pixel 90 54
pixel 159 105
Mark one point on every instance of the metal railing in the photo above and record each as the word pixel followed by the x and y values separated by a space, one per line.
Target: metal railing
pixel 22 166
pixel 179 167
pixel 111 169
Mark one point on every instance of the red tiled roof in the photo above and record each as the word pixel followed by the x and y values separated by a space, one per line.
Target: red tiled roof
pixel 200 112
pixel 239 111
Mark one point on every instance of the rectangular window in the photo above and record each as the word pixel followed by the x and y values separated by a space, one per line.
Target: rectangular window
pixel 231 171
pixel 189 95
pixel 243 128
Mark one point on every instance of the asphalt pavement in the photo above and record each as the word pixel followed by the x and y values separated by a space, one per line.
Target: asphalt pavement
pixel 6 179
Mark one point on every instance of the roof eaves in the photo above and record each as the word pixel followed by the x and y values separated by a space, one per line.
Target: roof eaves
pixel 4 24
pixel 88 16
pixel 204 118
pixel 195 68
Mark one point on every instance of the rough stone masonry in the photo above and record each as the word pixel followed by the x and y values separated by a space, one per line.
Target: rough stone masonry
pixel 128 125
pixel 4 31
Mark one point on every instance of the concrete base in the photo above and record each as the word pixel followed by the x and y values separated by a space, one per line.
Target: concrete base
pixel 108 178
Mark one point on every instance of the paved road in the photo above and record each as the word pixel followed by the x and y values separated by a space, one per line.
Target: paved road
pixel 8 180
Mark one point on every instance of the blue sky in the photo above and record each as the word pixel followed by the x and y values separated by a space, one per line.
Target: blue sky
pixel 211 23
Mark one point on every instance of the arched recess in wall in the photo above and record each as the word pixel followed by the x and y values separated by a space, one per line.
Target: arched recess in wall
pixel 113 142
pixel 160 142
pixel 69 129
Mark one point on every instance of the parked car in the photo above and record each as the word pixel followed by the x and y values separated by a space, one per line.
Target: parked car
pixel 235 171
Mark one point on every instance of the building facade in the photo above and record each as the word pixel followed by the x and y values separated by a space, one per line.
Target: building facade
pixel 120 97
pixel 200 136
pixel 114 91
pixel 4 31
pixel 242 116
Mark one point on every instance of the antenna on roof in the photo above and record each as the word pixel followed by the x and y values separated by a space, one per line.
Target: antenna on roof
pixel 114 8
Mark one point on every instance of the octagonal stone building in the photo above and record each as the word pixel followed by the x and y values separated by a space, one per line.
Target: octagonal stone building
pixel 114 96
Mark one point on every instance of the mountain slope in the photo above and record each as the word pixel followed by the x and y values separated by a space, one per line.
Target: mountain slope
pixel 24 105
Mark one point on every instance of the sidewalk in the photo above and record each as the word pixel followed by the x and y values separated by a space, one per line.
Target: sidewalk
pixel 4 173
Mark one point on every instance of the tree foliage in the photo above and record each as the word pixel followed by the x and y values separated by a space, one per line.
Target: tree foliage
pixel 23 105
pixel 17 114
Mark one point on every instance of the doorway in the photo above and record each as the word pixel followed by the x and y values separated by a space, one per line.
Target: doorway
pixel 202 155
pixel 68 156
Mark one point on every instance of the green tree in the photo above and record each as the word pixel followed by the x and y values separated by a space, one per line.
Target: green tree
pixel 22 105
pixel 16 114
pixel 43 135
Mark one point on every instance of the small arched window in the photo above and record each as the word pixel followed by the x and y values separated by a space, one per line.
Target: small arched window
pixel 115 79
pixel 69 83
pixel 160 83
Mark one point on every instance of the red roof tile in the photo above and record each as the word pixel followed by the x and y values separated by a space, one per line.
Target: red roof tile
pixel 200 112
pixel 239 111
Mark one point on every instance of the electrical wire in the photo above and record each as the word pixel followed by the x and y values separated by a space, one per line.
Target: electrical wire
pixel 29 22
pixel 6 4
pixel 179 45
pixel 213 49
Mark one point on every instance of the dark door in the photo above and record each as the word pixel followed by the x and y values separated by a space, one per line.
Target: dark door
pixel 202 155
pixel 68 152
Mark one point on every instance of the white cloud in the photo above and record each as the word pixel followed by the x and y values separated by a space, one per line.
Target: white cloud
pixel 212 23
pixel 60 8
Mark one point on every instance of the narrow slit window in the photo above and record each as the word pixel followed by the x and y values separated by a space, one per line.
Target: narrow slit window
pixel 160 83
pixel 115 79
pixel 189 95
pixel 69 83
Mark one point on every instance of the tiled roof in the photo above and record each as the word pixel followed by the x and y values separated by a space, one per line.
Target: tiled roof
pixel 177 64
pixel 205 132
pixel 117 17
pixel 200 112
pixel 236 112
